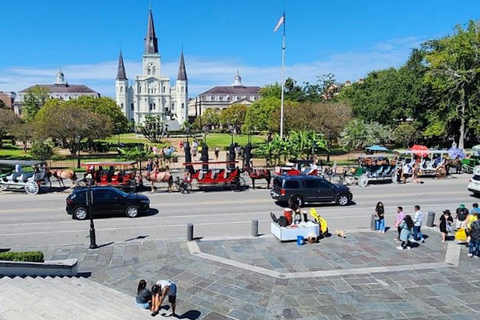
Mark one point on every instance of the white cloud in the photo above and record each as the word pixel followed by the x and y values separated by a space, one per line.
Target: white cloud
pixel 204 73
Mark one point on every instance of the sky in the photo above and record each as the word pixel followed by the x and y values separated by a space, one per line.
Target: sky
pixel 348 38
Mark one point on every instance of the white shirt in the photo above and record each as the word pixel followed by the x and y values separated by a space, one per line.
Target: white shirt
pixel 418 218
pixel 173 287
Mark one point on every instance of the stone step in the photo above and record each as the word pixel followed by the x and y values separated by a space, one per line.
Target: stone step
pixel 65 298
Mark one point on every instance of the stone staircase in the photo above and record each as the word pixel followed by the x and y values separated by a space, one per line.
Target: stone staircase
pixel 65 298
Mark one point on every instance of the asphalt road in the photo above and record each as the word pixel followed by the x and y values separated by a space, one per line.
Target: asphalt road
pixel 42 220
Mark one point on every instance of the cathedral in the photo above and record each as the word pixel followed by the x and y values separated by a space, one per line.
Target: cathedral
pixel 152 93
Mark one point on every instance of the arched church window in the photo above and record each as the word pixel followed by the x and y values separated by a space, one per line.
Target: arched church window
pixel 132 107
pixel 154 70
pixel 149 71
pixel 121 89
pixel 163 89
pixel 183 105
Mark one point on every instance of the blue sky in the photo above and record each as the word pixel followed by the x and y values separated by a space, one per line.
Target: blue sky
pixel 348 38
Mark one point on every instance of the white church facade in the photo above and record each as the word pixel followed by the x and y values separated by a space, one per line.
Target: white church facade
pixel 153 93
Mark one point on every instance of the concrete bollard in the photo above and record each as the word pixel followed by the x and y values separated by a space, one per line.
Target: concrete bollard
pixel 431 219
pixel 372 222
pixel 254 228
pixel 189 231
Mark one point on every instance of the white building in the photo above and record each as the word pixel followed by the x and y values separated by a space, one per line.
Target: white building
pixel 152 93
pixel 222 97
pixel 59 90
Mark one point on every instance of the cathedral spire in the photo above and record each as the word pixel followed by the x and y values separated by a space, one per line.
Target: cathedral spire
pixel 121 75
pixel 151 45
pixel 182 72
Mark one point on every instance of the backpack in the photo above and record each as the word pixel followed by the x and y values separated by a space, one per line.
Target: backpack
pixel 282 221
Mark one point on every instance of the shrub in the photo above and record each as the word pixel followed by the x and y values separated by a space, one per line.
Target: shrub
pixel 26 256
pixel 41 150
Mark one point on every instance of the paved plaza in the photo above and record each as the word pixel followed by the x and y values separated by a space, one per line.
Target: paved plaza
pixel 362 276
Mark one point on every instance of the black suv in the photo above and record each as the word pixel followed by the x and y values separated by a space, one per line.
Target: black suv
pixel 304 188
pixel 106 200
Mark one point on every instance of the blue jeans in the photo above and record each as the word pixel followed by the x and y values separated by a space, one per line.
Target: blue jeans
pixel 474 247
pixel 380 224
pixel 417 234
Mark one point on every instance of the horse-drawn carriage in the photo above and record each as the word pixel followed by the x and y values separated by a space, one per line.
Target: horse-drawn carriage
pixel 219 178
pixel 30 175
pixel 112 174
pixel 431 163
pixel 374 168
pixel 296 167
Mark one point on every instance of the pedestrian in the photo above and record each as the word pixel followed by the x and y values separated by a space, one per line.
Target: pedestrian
pixel 418 220
pixel 416 173
pixel 380 213
pixel 461 217
pixel 471 217
pixel 474 232
pixel 406 227
pixel 160 291
pixel 144 296
pixel 399 220
pixel 445 224
pixel 181 145
pixel 217 153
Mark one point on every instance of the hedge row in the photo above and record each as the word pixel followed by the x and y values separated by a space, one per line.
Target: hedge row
pixel 26 256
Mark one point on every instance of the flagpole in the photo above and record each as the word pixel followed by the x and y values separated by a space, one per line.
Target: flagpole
pixel 283 79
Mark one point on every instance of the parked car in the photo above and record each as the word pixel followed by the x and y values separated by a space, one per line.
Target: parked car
pixel 303 188
pixel 474 182
pixel 106 200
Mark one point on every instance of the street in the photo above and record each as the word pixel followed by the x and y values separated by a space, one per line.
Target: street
pixel 41 220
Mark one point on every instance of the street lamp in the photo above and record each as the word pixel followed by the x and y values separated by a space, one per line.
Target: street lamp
pixel 93 241
pixel 231 130
pixel 78 147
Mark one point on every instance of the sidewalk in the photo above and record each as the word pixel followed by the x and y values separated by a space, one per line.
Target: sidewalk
pixel 361 277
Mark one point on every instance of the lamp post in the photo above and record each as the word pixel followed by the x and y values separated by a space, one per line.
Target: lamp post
pixel 78 147
pixel 93 244
pixel 231 150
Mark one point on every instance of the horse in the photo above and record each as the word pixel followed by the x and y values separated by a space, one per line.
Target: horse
pixel 453 163
pixel 61 174
pixel 255 174
pixel 159 176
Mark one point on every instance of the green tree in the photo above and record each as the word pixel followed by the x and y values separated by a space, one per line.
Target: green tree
pixel 23 131
pixel 405 134
pixel 259 113
pixel 41 150
pixel 70 123
pixel 233 115
pixel 361 134
pixel 34 99
pixel 152 128
pixel 454 74
pixel 107 107
pixel 8 120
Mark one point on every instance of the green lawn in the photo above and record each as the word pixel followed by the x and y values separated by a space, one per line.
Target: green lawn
pixel 126 138
pixel 11 152
pixel 224 139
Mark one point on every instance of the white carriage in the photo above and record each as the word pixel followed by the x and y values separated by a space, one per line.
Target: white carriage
pixel 30 175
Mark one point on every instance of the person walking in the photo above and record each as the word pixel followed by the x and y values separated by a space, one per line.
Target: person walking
pixel 217 153
pixel 144 296
pixel 461 217
pixel 380 213
pixel 474 233
pixel 416 173
pixel 418 220
pixel 160 291
pixel 445 224
pixel 406 227
pixel 399 220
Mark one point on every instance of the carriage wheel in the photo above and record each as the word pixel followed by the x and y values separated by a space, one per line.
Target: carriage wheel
pixel 185 187
pixel 31 188
pixel 348 180
pixel 394 178
pixel 130 186
pixel 45 184
pixel 363 180
pixel 238 184
pixel 3 187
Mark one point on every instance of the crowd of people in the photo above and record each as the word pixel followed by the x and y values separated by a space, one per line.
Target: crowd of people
pixel 409 228
pixel 152 299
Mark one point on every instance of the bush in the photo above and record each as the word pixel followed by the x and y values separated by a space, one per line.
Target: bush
pixel 26 256
pixel 41 150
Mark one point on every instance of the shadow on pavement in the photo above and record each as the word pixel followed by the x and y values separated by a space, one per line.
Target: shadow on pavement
pixel 192 314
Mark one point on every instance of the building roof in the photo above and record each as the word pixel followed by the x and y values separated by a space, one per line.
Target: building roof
pixel 121 74
pixel 66 88
pixel 182 72
pixel 233 90
pixel 151 41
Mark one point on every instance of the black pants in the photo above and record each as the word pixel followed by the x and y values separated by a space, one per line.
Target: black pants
pixel 399 231
pixel 405 244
